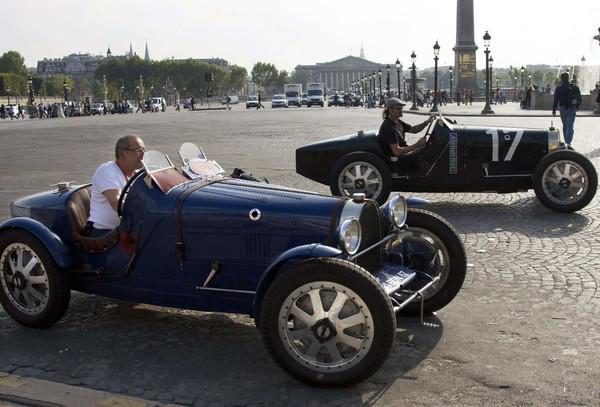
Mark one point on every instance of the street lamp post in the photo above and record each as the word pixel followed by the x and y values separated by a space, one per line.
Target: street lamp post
pixel 379 75
pixel 65 90
pixel 387 69
pixel 30 89
pixel 450 95
pixel 436 53
pixel 522 76
pixel 373 85
pixel 105 89
pixel 398 67
pixel 141 89
pixel 515 92
pixel 404 87
pixel 413 58
pixel 8 94
pixel 528 80
pixel 486 41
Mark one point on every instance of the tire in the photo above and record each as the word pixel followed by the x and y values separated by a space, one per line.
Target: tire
pixel 374 178
pixel 38 297
pixel 434 248
pixel 565 181
pixel 290 325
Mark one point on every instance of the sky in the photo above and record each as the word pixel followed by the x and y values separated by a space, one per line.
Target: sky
pixel 287 33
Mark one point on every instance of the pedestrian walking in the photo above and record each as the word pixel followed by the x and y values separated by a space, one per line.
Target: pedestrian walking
pixel 227 101
pixel 259 105
pixel 567 98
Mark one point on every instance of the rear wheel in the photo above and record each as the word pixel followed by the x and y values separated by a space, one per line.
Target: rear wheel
pixel 33 290
pixel 565 181
pixel 327 322
pixel 361 173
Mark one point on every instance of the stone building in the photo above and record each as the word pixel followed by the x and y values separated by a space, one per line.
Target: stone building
pixel 339 74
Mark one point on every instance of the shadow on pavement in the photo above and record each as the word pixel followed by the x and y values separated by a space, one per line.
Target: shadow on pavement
pixel 167 354
pixel 525 215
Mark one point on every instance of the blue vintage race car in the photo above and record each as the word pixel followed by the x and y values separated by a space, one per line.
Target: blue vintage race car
pixel 322 276
pixel 456 158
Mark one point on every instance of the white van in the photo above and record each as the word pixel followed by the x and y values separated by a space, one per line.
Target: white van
pixel 157 104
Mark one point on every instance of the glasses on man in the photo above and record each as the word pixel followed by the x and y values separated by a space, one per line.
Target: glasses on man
pixel 137 149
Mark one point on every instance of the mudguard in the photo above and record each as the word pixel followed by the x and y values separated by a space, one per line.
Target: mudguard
pixel 304 252
pixel 57 249
pixel 414 202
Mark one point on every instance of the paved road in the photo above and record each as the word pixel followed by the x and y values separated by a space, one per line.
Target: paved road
pixel 524 331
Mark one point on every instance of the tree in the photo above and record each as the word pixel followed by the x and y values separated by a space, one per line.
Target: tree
pixel 13 62
pixel 264 74
pixel 237 77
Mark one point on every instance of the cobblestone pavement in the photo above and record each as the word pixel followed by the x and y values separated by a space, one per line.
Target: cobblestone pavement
pixel 524 330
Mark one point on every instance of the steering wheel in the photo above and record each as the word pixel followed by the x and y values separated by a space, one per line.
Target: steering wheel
pixel 125 191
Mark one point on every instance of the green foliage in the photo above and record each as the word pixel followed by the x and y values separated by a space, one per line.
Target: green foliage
pixel 13 62
pixel 188 77
pixel 13 84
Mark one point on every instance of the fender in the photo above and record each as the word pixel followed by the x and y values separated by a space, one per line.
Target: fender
pixel 415 202
pixel 308 251
pixel 57 249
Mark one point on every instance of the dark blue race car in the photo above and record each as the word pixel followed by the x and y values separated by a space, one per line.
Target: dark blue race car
pixel 322 276
pixel 456 158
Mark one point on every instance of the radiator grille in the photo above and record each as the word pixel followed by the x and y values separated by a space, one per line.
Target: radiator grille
pixel 372 232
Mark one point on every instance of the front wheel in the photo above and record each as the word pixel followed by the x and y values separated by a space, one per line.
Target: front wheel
pixel 33 291
pixel 327 322
pixel 431 246
pixel 565 181
pixel 361 172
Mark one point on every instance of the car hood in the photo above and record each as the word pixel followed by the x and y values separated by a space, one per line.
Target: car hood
pixel 240 207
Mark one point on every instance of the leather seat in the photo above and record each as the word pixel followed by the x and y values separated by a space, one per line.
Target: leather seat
pixel 78 211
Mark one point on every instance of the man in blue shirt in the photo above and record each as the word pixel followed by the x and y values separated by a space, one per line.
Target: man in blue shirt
pixel 567 98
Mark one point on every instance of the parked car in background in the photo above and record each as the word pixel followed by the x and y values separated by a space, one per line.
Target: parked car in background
pixel 335 100
pixel 158 104
pixel 251 101
pixel 233 99
pixel 304 99
pixel 97 108
pixel 279 101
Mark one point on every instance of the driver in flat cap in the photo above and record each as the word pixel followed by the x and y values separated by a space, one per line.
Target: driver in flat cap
pixel 392 130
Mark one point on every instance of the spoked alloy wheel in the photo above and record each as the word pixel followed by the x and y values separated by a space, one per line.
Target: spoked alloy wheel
pixel 32 289
pixel 326 325
pixel 361 172
pixel 327 322
pixel 24 279
pixel 360 177
pixel 565 181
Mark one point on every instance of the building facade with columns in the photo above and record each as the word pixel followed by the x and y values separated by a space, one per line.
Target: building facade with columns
pixel 339 74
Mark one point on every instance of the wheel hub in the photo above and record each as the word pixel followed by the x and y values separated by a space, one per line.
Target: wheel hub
pixel 564 183
pixel 324 330
pixel 359 184
pixel 19 280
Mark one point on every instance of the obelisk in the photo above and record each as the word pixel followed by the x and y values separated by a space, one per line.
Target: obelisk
pixel 464 50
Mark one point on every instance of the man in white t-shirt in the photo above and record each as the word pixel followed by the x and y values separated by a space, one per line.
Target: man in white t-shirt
pixel 107 182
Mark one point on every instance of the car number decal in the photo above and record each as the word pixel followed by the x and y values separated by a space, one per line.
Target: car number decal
pixel 507 137
pixel 453 154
